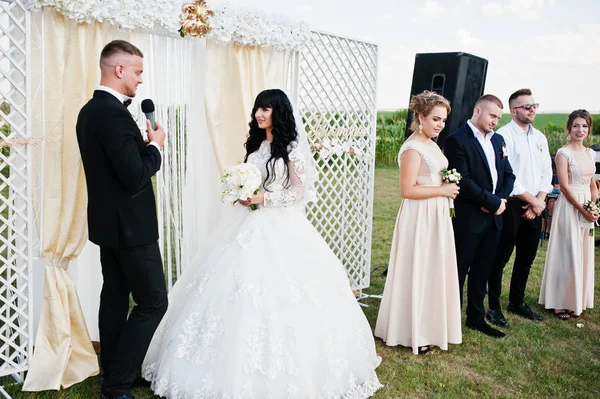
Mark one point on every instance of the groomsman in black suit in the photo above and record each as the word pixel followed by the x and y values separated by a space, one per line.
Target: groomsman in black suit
pixel 122 218
pixel 479 155
pixel 530 158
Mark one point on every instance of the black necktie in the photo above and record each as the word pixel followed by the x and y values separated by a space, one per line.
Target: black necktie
pixel 127 102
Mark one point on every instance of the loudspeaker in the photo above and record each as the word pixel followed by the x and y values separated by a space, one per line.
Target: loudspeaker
pixel 460 77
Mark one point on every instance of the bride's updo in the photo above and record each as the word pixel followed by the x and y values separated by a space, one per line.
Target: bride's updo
pixel 423 103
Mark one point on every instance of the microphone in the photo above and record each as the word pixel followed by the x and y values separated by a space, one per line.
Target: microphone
pixel 148 110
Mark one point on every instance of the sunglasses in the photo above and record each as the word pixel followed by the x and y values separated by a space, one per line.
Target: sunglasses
pixel 528 106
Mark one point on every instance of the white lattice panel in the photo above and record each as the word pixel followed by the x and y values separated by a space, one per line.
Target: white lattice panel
pixel 15 192
pixel 336 93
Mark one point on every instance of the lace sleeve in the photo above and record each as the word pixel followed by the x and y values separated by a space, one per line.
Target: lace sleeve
pixel 295 191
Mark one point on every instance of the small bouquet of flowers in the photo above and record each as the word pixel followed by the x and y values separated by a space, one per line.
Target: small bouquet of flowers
pixel 240 182
pixel 451 176
pixel 593 207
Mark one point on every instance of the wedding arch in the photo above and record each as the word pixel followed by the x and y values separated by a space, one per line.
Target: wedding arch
pixel 203 89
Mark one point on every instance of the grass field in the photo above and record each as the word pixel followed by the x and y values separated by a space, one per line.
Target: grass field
pixel 391 127
pixel 551 359
pixel 540 120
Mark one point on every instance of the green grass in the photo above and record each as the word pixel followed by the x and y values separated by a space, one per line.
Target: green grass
pixel 540 120
pixel 391 129
pixel 551 359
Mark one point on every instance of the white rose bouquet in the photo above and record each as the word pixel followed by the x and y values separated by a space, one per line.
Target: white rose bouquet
pixel 451 176
pixel 593 207
pixel 240 182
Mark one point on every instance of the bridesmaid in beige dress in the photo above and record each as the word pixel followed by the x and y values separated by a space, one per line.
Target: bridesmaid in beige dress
pixel 421 305
pixel 568 281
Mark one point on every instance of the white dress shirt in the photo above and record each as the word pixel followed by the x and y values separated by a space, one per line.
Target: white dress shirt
pixel 122 98
pixel 529 157
pixel 488 149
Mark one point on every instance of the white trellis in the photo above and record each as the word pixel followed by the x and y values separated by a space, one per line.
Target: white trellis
pixel 336 95
pixel 16 219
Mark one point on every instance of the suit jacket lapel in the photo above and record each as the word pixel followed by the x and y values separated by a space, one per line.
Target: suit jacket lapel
pixel 480 150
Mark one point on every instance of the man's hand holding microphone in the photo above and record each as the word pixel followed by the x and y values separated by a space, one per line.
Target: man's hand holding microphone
pixel 156 133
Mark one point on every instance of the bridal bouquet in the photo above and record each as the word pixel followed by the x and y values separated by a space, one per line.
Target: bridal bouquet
pixel 240 182
pixel 593 207
pixel 451 176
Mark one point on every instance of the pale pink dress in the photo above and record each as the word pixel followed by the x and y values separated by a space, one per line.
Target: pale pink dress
pixel 421 304
pixel 568 281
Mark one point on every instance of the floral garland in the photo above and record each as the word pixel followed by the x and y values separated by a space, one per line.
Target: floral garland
pixel 338 147
pixel 255 28
pixel 128 14
pixel 228 24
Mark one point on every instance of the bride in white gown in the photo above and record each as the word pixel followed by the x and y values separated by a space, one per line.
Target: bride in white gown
pixel 267 310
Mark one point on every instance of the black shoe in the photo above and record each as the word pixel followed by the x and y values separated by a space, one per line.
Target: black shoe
pixel 524 311
pixel 488 330
pixel 496 317
pixel 124 396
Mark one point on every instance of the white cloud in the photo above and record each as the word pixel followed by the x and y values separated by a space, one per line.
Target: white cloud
pixel 304 8
pixel 526 10
pixel 387 16
pixel 492 10
pixel 431 10
pixel 569 48
pixel 402 54
pixel 466 39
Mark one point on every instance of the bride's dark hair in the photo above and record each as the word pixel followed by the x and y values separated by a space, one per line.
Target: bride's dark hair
pixel 284 130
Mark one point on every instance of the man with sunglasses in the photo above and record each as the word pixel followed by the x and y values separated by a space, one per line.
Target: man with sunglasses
pixel 527 151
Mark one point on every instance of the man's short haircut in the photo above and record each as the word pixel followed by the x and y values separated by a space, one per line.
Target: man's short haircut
pixel 116 47
pixel 489 98
pixel 517 94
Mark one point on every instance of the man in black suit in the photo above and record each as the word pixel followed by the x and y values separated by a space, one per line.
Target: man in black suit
pixel 122 218
pixel 479 155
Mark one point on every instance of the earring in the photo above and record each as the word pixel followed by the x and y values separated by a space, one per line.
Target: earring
pixel 421 128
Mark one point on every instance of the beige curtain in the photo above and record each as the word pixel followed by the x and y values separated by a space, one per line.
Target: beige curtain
pixel 235 74
pixel 65 72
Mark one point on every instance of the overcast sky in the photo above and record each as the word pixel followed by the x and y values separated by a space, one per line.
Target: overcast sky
pixel 550 46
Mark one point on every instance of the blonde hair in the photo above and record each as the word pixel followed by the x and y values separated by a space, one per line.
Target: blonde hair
pixel 423 104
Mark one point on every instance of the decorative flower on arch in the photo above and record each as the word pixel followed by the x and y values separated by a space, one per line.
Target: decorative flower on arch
pixel 194 20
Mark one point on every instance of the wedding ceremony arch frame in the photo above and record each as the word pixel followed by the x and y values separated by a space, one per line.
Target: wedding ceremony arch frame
pixel 16 216
pixel 332 81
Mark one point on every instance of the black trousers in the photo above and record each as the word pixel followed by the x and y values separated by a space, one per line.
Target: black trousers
pixel 525 235
pixel 124 341
pixel 474 255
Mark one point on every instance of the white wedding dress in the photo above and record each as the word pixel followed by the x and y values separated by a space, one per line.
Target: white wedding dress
pixel 266 311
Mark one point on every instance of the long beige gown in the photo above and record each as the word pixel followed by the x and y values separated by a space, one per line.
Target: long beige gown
pixel 421 304
pixel 568 281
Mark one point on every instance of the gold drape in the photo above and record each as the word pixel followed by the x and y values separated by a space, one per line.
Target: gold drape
pixel 65 62
pixel 235 74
